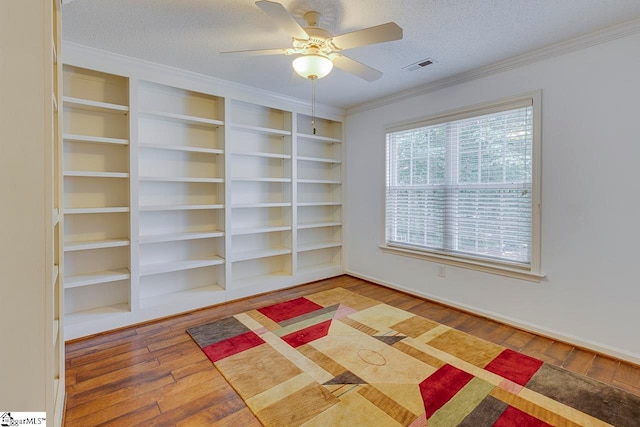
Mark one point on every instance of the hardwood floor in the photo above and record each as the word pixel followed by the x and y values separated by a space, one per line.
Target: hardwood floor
pixel 155 375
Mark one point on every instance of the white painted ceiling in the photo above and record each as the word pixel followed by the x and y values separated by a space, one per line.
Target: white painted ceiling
pixel 460 35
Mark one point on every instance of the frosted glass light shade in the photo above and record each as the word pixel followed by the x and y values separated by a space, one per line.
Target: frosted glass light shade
pixel 312 66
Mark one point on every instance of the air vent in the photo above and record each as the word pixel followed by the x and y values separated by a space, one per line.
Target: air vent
pixel 420 64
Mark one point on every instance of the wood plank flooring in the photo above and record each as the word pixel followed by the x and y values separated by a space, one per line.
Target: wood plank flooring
pixel 155 375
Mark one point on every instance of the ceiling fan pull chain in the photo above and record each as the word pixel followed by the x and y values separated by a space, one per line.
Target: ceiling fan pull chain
pixel 313 105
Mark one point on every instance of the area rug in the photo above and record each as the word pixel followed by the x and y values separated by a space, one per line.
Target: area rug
pixel 336 358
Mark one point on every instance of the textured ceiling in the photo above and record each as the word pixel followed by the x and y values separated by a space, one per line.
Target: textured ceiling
pixel 460 35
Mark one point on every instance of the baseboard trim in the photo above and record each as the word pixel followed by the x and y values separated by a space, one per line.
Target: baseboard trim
pixel 592 346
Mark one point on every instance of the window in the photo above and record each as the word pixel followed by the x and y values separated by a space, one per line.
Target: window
pixel 463 187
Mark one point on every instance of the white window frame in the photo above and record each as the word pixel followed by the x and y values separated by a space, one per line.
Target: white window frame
pixel 532 272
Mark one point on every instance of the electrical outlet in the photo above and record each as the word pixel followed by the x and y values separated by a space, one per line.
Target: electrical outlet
pixel 442 271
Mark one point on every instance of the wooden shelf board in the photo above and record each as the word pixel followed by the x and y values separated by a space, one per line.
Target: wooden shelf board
pixel 319 159
pixel 260 129
pixel 89 174
pixel 75 211
pixel 262 154
pixel 319 245
pixel 87 315
pixel 95 244
pixel 182 148
pixel 319 203
pixel 181 179
pixel 87 104
pixel 170 299
pixel 257 230
pixel 96 278
pixel 173 237
pixel 261 205
pixel 167 267
pixel 265 253
pixel 319 138
pixel 319 224
pixel 201 121
pixel 180 207
pixel 69 137
pixel 319 181
pixel 249 179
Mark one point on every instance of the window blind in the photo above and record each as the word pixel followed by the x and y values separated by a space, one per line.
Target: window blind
pixel 463 187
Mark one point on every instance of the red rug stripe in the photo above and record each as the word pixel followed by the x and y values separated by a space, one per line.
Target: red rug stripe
pixel 231 346
pixel 441 386
pixel 513 417
pixel 289 309
pixel 514 366
pixel 306 335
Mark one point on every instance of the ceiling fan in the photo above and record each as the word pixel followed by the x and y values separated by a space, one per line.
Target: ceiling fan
pixel 317 49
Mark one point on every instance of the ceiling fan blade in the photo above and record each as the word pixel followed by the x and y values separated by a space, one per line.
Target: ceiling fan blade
pixel 372 35
pixel 357 68
pixel 278 13
pixel 259 52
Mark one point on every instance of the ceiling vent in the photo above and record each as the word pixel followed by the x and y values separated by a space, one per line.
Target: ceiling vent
pixel 420 64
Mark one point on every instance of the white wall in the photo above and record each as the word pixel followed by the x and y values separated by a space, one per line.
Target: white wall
pixel 590 200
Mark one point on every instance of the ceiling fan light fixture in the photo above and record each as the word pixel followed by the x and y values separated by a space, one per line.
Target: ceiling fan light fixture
pixel 312 66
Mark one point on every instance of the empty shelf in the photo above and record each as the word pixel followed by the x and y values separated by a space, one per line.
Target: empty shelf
pixel 180 207
pixel 173 237
pixel 202 121
pixel 319 224
pixel 318 245
pixel 319 138
pixel 116 209
pixel 182 148
pixel 318 159
pixel 166 267
pixel 264 253
pixel 95 244
pixel 87 279
pixel 87 104
pixel 89 174
pixel 260 129
pixel 256 230
pixel 94 139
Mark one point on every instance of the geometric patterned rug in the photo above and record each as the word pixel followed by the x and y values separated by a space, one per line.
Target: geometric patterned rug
pixel 336 358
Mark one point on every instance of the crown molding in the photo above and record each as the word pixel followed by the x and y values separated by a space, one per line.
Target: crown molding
pixel 582 42
pixel 85 56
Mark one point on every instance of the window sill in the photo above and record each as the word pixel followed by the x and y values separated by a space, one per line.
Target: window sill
pixel 500 270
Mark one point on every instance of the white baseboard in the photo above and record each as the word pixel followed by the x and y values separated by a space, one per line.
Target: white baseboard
pixel 529 327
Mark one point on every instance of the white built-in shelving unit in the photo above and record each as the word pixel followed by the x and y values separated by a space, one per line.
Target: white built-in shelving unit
pixel 96 194
pixel 178 198
pixel 181 192
pixel 319 187
pixel 261 194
